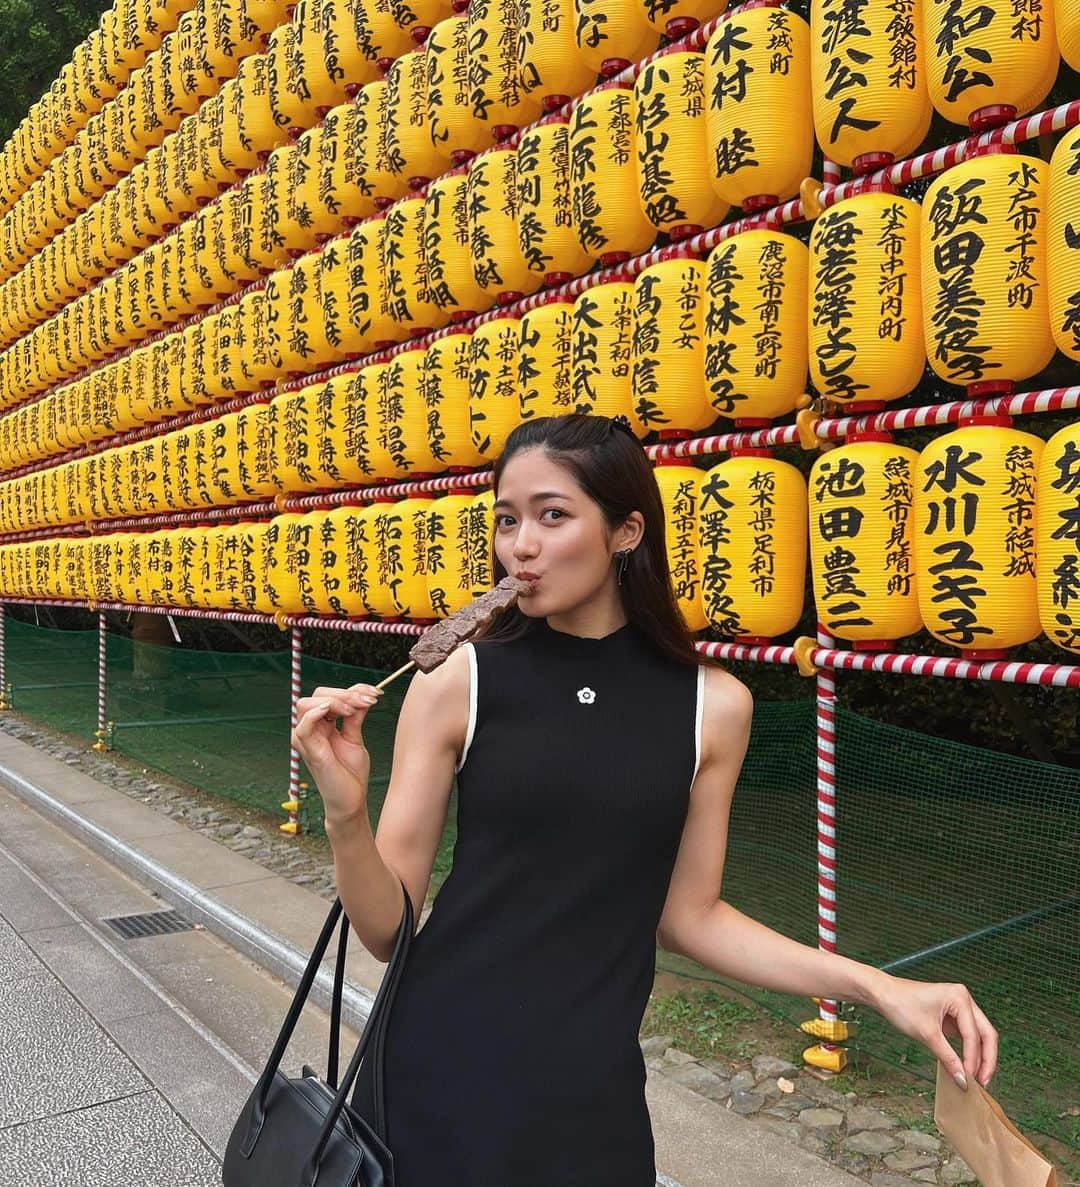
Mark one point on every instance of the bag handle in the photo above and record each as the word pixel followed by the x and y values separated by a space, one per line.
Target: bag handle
pixel 335 1004
pixel 373 1031
pixel 383 1000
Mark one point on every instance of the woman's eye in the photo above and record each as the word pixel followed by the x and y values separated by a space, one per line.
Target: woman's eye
pixel 554 510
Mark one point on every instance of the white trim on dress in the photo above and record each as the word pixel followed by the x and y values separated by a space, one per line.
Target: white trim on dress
pixel 471 651
pixel 697 720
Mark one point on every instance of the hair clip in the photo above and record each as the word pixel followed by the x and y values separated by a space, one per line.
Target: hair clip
pixel 623 422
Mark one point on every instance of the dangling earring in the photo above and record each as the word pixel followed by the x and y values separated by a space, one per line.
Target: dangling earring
pixel 624 558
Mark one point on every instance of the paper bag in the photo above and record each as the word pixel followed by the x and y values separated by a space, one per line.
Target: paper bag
pixel 986 1139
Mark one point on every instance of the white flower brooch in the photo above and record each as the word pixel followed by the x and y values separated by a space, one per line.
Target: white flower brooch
pixel 586 696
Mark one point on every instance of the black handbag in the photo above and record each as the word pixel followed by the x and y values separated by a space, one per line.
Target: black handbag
pixel 292 1132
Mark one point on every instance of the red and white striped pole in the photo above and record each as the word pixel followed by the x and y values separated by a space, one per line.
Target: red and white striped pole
pixel 827 1027
pixel 5 701
pixel 292 804
pixel 100 732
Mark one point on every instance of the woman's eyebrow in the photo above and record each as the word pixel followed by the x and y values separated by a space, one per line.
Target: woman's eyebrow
pixel 544 494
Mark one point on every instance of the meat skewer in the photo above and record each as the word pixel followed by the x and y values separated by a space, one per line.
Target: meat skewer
pixel 436 645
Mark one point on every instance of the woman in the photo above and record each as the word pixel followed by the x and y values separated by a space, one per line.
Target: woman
pixel 597 754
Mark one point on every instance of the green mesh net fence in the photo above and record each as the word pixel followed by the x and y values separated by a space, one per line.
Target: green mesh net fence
pixel 954 863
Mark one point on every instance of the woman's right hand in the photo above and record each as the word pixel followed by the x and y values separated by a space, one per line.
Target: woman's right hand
pixel 338 760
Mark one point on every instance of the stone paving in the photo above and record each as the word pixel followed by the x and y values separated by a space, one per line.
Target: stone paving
pixel 785 1100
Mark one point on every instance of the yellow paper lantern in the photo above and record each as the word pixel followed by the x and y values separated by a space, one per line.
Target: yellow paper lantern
pixel 987 66
pixel 1063 241
pixel 672 143
pixel 411 154
pixel 494 411
pixel 344 190
pixel 492 197
pixel 550 62
pixel 368 325
pixel 1058 539
pixel 602 350
pixel 385 185
pixel 191 79
pixel 985 303
pixel 444 382
pixel 288 561
pixel 668 365
pixel 975 544
pixel 680 493
pixel 408 293
pixel 451 282
pixel 546 234
pixel 238 211
pixel 250 109
pixel 251 340
pixel 401 556
pixel 283 210
pixel 755 326
pixel 331 571
pixel 402 416
pixel 1067 22
pixel 454 127
pixel 862 546
pixel 612 34
pixel 297 337
pixel 343 419
pixel 760 123
pixel 496 93
pixel 306 79
pixel 369 392
pixel 291 419
pixel 869 81
pixel 752 546
pixel 866 341
pixel 459 550
pixel 607 215
pixel 309 202
pixel 545 374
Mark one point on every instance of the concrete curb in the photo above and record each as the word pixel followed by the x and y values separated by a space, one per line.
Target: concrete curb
pixel 265 949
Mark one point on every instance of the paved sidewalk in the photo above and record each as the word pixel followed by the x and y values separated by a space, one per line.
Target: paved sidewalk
pixel 134 1056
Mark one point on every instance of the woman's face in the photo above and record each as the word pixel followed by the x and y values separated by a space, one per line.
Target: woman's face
pixel 548 528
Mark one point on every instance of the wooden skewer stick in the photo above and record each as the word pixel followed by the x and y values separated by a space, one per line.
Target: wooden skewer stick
pixel 394 675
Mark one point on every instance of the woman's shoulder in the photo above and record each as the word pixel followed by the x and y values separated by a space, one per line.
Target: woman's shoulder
pixel 727 706
pixel 725 693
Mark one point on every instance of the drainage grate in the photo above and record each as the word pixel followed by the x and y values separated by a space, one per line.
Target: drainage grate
pixel 153 923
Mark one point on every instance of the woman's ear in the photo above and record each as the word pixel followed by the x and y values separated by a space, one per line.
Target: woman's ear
pixel 632 530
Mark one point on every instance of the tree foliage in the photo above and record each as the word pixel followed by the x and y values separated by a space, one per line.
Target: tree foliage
pixel 36 38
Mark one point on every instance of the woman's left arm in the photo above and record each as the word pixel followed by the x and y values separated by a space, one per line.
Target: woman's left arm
pixel 698 924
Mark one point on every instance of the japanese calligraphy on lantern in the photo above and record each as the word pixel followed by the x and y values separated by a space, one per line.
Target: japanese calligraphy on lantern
pixel 862 541
pixel 986 304
pixel 601 349
pixel 869 79
pixel 983 53
pixel 835 244
pixel 976 537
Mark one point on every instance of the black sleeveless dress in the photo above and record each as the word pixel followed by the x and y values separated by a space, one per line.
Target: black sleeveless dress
pixel 512 1056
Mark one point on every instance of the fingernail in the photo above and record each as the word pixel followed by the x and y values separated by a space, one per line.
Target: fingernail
pixel 961 1079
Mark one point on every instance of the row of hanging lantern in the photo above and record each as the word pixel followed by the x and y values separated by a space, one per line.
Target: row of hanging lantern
pixel 128 32
pixel 882 289
pixel 204 52
pixel 419 558
pixel 718 107
pixel 975 539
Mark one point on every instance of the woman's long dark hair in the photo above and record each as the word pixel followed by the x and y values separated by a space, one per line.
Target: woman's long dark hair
pixel 611 467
